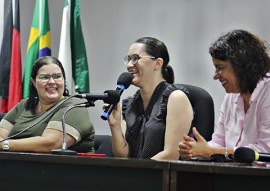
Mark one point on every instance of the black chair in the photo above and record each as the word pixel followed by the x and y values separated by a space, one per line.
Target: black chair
pixel 103 145
pixel 204 112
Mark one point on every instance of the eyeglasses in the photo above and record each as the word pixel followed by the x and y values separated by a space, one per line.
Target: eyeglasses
pixel 46 77
pixel 135 58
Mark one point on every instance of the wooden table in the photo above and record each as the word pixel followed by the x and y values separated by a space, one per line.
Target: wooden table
pixel 194 176
pixel 28 171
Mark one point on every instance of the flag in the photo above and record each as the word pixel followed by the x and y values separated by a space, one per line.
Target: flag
pixel 72 51
pixel 15 81
pixel 39 43
pixel 6 56
pixel 64 54
pixel 2 4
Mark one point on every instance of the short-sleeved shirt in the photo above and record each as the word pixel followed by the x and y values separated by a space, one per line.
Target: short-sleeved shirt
pixel 77 123
pixel 237 128
pixel 145 131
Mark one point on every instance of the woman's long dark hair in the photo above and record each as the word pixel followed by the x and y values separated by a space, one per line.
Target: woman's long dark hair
pixel 247 55
pixel 33 95
pixel 158 49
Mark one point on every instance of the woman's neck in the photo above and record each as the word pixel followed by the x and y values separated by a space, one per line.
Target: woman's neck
pixel 43 107
pixel 246 97
pixel 147 92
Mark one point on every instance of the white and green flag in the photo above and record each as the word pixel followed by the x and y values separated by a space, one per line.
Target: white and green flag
pixel 72 52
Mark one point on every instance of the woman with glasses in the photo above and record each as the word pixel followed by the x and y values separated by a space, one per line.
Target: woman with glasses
pixel 155 119
pixel 242 67
pixel 35 124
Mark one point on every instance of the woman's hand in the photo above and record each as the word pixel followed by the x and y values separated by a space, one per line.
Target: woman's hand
pixel 115 117
pixel 184 149
pixel 190 148
pixel 119 144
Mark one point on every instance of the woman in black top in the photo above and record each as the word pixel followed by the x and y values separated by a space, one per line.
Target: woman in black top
pixel 155 119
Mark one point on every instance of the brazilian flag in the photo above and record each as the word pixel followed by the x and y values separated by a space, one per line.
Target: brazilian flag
pixel 39 43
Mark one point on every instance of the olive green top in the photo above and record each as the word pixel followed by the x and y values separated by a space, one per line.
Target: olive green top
pixel 77 123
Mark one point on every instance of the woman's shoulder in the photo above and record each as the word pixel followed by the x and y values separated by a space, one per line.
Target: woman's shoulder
pixel 22 103
pixel 67 102
pixel 131 98
pixel 72 100
pixel 173 87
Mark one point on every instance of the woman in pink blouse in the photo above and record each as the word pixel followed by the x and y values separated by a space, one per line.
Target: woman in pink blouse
pixel 242 67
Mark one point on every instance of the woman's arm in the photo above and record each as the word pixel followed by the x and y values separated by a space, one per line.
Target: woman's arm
pixel 190 148
pixel 178 122
pixel 3 133
pixel 77 126
pixel 50 139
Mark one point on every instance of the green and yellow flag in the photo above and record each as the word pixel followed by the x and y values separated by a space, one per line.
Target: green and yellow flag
pixel 39 43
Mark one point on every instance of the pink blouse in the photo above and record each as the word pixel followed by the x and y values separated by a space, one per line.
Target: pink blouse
pixel 235 128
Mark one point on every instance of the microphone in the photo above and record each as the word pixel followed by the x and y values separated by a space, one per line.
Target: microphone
pixel 109 96
pixel 248 155
pixel 64 150
pixel 123 82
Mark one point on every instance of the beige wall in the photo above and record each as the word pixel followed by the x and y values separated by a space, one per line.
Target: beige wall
pixel 187 27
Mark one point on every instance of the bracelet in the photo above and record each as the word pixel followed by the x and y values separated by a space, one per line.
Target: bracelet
pixel 226 153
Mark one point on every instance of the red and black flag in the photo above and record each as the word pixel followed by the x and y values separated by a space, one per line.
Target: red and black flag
pixel 10 59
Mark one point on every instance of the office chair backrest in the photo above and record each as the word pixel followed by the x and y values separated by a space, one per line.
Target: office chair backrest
pixel 103 145
pixel 204 112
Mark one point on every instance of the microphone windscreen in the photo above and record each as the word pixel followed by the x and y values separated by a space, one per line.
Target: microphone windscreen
pixel 125 79
pixel 244 154
pixel 113 97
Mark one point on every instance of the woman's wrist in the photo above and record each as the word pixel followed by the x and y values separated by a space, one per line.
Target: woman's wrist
pixel 210 151
pixel 115 126
pixel 113 123
pixel 225 152
pixel 219 150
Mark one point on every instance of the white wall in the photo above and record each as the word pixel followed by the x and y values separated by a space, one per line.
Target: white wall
pixel 187 27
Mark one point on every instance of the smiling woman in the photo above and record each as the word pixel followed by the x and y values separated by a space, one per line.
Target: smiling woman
pixel 225 74
pixel 155 119
pixel 35 124
pixel 242 66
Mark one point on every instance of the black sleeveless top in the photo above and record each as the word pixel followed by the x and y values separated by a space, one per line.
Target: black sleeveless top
pixel 146 129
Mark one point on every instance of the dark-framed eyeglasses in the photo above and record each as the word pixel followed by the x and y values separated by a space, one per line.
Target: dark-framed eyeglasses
pixel 44 78
pixel 135 58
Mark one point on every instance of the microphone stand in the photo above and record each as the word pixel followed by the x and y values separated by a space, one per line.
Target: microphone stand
pixel 64 150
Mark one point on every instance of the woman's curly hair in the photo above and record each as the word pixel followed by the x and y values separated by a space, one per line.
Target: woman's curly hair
pixel 33 95
pixel 247 55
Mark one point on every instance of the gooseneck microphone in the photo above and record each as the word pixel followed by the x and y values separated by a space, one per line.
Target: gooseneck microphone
pixel 248 155
pixel 123 82
pixel 110 96
pixel 64 150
